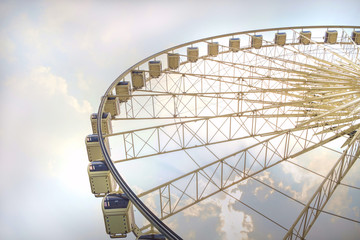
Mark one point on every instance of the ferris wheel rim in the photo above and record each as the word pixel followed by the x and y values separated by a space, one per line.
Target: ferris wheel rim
pixel 127 190
pixel 121 76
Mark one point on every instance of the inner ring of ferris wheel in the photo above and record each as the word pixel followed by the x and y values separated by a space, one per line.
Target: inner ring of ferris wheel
pixel 227 108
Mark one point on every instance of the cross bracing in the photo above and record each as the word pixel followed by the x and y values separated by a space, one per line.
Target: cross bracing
pixel 223 173
pixel 312 210
pixel 277 102
pixel 173 137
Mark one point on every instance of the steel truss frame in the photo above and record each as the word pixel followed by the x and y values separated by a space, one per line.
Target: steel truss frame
pixel 316 204
pixel 279 102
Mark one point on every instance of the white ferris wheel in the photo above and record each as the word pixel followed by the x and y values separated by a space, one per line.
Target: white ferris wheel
pixel 205 117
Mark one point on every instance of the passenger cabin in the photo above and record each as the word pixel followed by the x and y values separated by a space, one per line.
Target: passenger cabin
pixel 305 37
pixel 355 36
pixel 152 237
pixel 112 106
pixel 256 41
pixel 93 147
pixel 101 180
pixel 137 79
pixel 154 69
pixel 192 54
pixel 123 90
pixel 234 44
pixel 173 60
pixel 118 214
pixel 280 38
pixel 331 36
pixel 105 123
pixel 213 49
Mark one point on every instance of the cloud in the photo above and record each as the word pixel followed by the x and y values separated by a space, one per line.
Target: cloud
pixel 40 135
pixel 191 235
pixel 47 82
pixel 84 107
pixel 306 180
pixel 230 217
pixel 41 82
pixel 202 210
pixel 7 48
pixel 340 202
pixel 82 83
pixel 265 178
pixel 43 135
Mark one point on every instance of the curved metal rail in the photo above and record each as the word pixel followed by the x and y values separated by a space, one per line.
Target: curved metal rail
pixel 145 211
pixel 150 216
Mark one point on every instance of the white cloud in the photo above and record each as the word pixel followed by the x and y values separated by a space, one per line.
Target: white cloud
pixel 191 235
pixel 149 201
pixel 247 225
pixel 7 47
pixel 307 180
pixel 265 178
pixel 41 82
pixel 84 107
pixel 230 217
pixel 219 210
pixel 356 211
pixel 47 82
pixel 339 202
pixel 194 211
pixel 202 210
pixel 172 223
pixel 82 83
pixel 42 126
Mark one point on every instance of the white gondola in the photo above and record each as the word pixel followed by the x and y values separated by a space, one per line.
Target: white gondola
pixel 305 37
pixel 173 60
pixel 192 54
pixel 112 106
pixel 137 79
pixel 152 237
pixel 154 69
pixel 118 214
pixel 256 41
pixel 331 36
pixel 280 38
pixel 213 49
pixel 355 36
pixel 105 123
pixel 123 90
pixel 101 180
pixel 234 44
pixel 93 147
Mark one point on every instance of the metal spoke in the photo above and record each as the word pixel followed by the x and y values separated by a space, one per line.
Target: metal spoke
pixel 235 113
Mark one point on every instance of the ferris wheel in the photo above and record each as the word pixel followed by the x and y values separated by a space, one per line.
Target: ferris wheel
pixel 204 117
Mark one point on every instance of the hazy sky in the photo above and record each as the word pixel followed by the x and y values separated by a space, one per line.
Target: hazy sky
pixel 58 57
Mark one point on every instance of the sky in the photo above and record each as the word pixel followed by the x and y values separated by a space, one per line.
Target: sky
pixel 57 59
